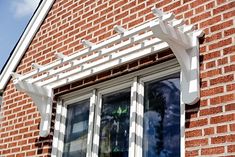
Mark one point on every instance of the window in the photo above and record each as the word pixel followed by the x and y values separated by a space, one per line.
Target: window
pixel 114 128
pixel 162 117
pixel 134 115
pixel 75 141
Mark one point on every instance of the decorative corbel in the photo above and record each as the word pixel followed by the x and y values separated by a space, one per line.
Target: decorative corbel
pixel 183 41
pixel 42 97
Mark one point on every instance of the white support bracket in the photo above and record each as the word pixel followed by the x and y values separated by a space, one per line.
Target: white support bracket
pixel 183 41
pixel 43 98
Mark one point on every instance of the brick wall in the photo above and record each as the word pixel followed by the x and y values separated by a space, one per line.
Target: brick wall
pixel 210 124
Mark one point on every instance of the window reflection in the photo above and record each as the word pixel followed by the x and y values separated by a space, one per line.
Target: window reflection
pixel 162 118
pixel 76 130
pixel 114 130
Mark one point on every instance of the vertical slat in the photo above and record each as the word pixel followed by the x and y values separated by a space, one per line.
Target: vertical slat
pixel 140 116
pixel 95 147
pixel 91 123
pixel 62 131
pixel 56 129
pixel 132 134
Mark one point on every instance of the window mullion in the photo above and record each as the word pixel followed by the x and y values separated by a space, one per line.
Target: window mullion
pixel 133 108
pixel 62 129
pixel 56 139
pixel 95 147
pixel 140 115
pixel 91 123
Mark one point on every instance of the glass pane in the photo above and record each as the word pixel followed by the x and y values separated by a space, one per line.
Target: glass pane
pixel 76 129
pixel 114 130
pixel 162 118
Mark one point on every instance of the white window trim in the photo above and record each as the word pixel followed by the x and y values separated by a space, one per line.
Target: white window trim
pixel 136 82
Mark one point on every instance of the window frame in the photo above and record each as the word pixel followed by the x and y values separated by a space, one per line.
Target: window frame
pixel 96 134
pixel 140 110
pixel 135 81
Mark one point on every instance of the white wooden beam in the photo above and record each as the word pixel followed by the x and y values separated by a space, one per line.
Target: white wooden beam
pixel 87 43
pixel 119 29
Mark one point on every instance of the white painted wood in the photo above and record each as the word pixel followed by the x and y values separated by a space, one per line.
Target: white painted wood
pixel 79 97
pixel 152 37
pixel 119 29
pixel 140 116
pixel 102 53
pixel 93 101
pixel 177 23
pixel 133 108
pixel 56 140
pixel 60 56
pixel 87 43
pixel 36 66
pixel 102 64
pixel 97 47
pixel 95 147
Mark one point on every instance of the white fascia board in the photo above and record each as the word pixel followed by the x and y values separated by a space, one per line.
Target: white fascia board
pixel 24 42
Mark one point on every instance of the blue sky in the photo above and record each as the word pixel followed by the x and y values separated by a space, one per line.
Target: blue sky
pixel 14 15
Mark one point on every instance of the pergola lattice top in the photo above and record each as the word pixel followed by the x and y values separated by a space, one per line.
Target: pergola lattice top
pixel 162 33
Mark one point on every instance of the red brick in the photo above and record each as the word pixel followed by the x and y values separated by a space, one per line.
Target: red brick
pixel 193 133
pixel 196 3
pixel 210 5
pixel 171 6
pixel 211 111
pixel 229 32
pixel 229 14
pixel 232 58
pixel 222 119
pixel 221 25
pixel 232 127
pixel 218 140
pixel 214 37
pixel 221 43
pixel 230 138
pixel 213 150
pixel 197 123
pixel 191 153
pixel 200 17
pixel 231 148
pixel 209 131
pixel 224 8
pixel 230 107
pixel 210 73
pixel 135 22
pixel 223 61
pixel 198 142
pixel 210 64
pixel 230 68
pixel 188 14
pixel 31 153
pixel 199 9
pixel 222 79
pixel 222 129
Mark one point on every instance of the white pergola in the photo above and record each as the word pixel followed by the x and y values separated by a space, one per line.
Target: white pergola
pixel 155 36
